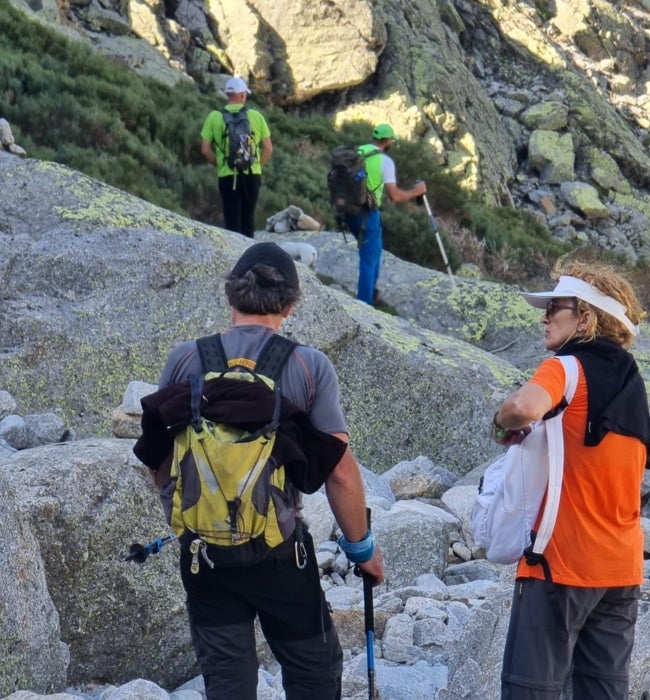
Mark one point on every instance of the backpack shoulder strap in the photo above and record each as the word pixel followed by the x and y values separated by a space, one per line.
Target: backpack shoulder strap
pixel 212 354
pixel 555 439
pixel 366 154
pixel 372 152
pixel 227 114
pixel 274 356
pixel 571 372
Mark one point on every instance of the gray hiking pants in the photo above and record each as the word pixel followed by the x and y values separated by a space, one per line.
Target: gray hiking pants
pixel 556 631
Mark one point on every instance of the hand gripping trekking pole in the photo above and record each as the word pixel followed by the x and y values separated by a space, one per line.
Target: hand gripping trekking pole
pixel 140 552
pixel 369 618
pixel 434 225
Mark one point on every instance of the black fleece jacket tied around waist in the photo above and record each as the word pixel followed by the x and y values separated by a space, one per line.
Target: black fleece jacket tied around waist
pixel 308 455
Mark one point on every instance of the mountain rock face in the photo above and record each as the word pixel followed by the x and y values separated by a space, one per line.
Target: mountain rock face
pixel 542 105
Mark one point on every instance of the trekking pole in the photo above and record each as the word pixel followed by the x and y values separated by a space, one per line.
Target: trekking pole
pixel 435 230
pixel 140 552
pixel 369 619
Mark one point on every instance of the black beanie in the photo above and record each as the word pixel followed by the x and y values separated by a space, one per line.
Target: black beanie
pixel 268 254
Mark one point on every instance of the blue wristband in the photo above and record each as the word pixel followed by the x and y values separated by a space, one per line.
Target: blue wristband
pixel 358 552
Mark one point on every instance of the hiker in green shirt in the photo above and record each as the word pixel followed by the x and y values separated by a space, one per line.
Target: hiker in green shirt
pixel 239 185
pixel 367 226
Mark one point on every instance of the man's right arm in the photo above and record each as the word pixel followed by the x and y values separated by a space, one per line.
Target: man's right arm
pixel 208 152
pixel 397 195
pixel 394 193
pixel 266 146
pixel 344 489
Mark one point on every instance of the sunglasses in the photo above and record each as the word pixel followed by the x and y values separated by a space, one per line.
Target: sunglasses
pixel 552 307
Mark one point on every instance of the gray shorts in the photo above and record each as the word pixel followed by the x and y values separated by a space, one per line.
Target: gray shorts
pixel 557 631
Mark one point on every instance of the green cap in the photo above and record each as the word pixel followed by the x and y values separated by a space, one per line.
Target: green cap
pixel 383 131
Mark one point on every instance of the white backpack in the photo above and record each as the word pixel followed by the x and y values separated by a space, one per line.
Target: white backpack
pixel 513 487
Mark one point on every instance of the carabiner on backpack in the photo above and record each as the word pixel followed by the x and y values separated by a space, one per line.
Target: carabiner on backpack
pixel 300 554
pixel 299 549
pixel 198 546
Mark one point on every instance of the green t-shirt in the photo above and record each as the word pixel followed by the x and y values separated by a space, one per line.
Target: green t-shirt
pixel 375 180
pixel 214 130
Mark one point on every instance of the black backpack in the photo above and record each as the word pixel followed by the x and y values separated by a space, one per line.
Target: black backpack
pixel 347 182
pixel 238 143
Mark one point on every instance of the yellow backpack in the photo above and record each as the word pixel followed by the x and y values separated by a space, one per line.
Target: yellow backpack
pixel 230 492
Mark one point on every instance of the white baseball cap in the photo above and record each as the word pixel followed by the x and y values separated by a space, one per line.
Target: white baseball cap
pixel 236 85
pixel 574 287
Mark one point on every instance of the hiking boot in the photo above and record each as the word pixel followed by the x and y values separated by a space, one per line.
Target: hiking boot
pixel 377 299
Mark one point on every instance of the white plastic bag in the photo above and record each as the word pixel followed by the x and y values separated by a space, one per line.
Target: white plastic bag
pixel 514 485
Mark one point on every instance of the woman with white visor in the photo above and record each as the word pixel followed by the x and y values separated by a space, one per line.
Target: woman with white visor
pixel 578 618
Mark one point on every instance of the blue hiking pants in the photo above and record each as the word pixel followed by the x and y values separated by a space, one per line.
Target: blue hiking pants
pixel 369 251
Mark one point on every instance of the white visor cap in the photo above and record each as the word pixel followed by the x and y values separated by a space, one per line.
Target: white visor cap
pixel 575 287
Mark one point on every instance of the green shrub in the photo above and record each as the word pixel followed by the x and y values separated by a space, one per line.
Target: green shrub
pixel 518 246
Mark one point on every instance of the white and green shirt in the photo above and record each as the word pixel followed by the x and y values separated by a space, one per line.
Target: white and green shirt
pixel 380 168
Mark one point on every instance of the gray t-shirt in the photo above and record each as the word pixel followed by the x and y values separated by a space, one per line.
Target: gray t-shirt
pixel 308 379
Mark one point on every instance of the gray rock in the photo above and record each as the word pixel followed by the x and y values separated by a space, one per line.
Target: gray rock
pixel 422 608
pixel 397 642
pixel 414 539
pixel 551 116
pixel 33 655
pixel 417 681
pixel 552 155
pixel 376 486
pixel 45 428
pixel 419 478
pixel 585 199
pixel 7 404
pixel 5 449
pixel 304 67
pixel 318 516
pixel 476 570
pixel 325 560
pixel 430 632
pixel 14 431
pixel 86 502
pixel 135 391
pixel 139 689
pixel 29 695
